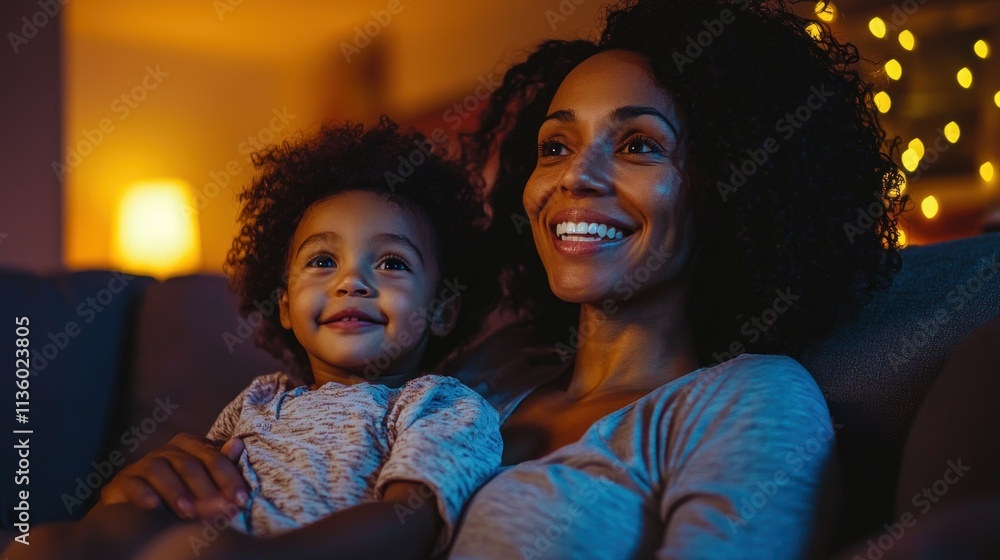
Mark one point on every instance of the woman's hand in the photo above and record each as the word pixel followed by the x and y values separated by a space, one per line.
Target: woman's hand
pixel 189 475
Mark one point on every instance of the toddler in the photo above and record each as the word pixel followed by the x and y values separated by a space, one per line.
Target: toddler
pixel 369 270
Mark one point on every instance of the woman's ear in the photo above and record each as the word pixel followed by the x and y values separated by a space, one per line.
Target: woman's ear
pixel 283 314
pixel 446 316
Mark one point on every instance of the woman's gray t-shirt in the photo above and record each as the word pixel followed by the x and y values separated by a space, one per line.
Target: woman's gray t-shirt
pixel 728 461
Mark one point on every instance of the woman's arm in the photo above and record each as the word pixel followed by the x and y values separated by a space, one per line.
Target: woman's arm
pixel 189 475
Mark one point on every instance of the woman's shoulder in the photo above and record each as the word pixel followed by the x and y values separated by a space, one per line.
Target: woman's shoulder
pixel 750 385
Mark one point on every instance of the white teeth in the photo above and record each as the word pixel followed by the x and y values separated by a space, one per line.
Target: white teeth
pixel 585 230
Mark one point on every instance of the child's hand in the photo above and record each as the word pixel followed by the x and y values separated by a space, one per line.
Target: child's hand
pixel 189 475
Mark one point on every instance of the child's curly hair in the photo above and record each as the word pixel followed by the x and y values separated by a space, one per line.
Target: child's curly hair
pixel 407 169
pixel 793 225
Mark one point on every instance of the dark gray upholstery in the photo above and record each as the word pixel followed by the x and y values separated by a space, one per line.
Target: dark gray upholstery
pixel 875 370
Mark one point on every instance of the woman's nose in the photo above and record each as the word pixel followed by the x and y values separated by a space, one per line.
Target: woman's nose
pixel 353 283
pixel 588 173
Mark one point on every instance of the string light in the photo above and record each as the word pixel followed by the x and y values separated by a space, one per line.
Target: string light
pixel 918 148
pixel 877 27
pixel 883 102
pixel 894 69
pixel 986 172
pixel 907 40
pixel 965 78
pixel 982 48
pixel 826 13
pixel 814 31
pixel 952 132
pixel 930 207
pixel 910 160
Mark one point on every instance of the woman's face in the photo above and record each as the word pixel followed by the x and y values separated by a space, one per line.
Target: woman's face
pixel 604 200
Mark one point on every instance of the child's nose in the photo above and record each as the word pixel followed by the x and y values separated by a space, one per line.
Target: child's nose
pixel 353 284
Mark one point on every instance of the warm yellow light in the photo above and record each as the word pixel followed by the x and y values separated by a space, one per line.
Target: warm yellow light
pixel 986 172
pixel 965 78
pixel 996 99
pixel 154 235
pixel 826 12
pixel 877 27
pixel 910 160
pixel 902 183
pixel 952 132
pixel 907 40
pixel 930 207
pixel 894 69
pixel 814 31
pixel 902 238
pixel 918 147
pixel 883 102
pixel 982 48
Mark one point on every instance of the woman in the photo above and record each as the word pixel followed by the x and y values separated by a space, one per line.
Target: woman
pixel 691 182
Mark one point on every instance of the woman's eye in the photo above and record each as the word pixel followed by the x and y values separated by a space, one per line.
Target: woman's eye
pixel 393 263
pixel 551 148
pixel 641 145
pixel 321 261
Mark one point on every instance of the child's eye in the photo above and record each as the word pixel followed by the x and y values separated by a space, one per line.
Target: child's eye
pixel 393 262
pixel 321 261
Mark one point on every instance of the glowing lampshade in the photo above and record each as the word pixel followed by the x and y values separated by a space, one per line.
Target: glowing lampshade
pixel 952 132
pixel 877 27
pixel 894 69
pixel 930 207
pixel 154 234
pixel 907 40
pixel 986 172
pixel 965 78
pixel 826 12
pixel 883 102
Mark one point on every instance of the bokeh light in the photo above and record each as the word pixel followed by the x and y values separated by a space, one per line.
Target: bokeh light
pixel 883 102
pixel 910 160
pixel 894 69
pixel 918 147
pixel 965 78
pixel 930 207
pixel 814 31
pixel 986 171
pixel 826 11
pixel 907 40
pixel 982 48
pixel 877 27
pixel 952 132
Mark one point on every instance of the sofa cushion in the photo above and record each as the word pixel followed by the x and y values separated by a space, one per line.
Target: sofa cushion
pixel 78 333
pixel 874 370
pixel 193 355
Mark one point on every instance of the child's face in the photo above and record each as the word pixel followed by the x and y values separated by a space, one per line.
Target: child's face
pixel 362 276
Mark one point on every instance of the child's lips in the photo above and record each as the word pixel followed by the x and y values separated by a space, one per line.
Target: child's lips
pixel 352 320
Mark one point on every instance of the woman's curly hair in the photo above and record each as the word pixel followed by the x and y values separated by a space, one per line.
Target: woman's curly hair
pixel 408 170
pixel 817 219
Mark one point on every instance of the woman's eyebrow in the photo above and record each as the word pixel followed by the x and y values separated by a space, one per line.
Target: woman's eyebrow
pixel 562 115
pixel 395 238
pixel 627 112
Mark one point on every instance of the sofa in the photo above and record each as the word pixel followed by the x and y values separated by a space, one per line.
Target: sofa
pixel 120 363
